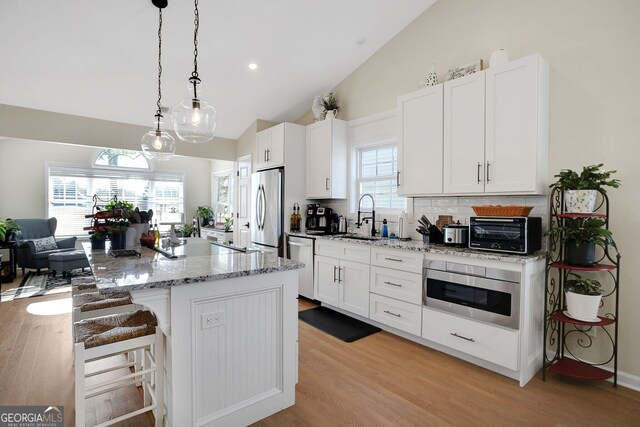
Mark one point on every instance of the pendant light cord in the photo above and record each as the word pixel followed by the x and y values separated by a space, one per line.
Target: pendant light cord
pixel 159 110
pixel 195 80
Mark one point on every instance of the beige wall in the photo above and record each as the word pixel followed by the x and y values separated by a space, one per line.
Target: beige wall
pixel 27 123
pixel 246 144
pixel 592 46
pixel 23 175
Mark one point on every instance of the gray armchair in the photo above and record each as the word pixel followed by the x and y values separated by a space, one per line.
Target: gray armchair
pixel 37 228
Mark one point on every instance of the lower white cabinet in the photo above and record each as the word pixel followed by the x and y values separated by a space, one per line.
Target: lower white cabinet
pixel 491 343
pixel 398 314
pixel 397 284
pixel 344 283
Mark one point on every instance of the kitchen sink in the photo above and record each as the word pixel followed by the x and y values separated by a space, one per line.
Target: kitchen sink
pixel 359 237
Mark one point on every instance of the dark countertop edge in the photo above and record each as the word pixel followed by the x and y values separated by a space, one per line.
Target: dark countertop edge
pixel 414 245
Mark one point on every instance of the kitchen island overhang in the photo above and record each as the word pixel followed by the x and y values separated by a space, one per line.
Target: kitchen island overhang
pixel 230 322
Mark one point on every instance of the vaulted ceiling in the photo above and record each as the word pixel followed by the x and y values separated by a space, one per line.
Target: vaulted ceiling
pixel 99 59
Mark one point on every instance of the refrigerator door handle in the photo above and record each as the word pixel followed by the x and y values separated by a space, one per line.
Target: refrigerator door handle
pixel 258 202
pixel 263 203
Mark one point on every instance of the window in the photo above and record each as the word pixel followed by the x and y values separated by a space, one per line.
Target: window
pixel 120 173
pixel 222 193
pixel 377 175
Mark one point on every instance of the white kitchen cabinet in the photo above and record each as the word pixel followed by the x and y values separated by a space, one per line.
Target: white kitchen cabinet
pixel 397 314
pixel 464 134
pixel 517 126
pixel 397 284
pixel 420 142
pixel 353 278
pixel 496 130
pixel 326 279
pixel 280 145
pixel 326 175
pixel 341 282
pixel 491 343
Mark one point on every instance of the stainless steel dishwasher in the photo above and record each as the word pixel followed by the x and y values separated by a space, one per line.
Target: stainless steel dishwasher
pixel 301 249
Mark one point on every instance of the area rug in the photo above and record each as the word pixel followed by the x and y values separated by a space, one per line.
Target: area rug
pixel 33 285
pixel 336 324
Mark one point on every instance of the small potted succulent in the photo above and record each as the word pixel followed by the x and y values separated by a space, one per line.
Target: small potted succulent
pixel 330 105
pixel 228 224
pixel 583 297
pixel 580 189
pixel 580 237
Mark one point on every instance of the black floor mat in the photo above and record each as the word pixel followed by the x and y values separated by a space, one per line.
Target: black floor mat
pixel 343 327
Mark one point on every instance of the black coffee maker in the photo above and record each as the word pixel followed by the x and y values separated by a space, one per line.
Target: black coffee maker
pixel 319 219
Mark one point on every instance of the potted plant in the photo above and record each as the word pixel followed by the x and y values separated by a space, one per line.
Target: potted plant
pixel 98 239
pixel 8 229
pixel 580 189
pixel 580 237
pixel 583 297
pixel 117 233
pixel 330 105
pixel 121 206
pixel 228 223
pixel 186 230
pixel 205 212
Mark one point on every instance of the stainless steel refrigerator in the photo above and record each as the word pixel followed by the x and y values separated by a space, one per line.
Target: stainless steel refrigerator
pixel 266 210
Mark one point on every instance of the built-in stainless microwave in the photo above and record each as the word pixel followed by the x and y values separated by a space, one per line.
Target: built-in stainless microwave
pixel 486 294
pixel 514 235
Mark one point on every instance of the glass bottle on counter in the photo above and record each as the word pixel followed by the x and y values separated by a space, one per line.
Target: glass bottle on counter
pixel 385 228
pixel 156 233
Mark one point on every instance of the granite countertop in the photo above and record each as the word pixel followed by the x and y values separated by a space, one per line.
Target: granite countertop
pixel 154 270
pixel 436 248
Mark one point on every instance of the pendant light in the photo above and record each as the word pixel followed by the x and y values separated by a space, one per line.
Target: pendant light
pixel 194 119
pixel 157 144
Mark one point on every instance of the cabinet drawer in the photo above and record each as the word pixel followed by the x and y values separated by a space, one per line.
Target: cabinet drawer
pixel 357 253
pixel 330 248
pixel 398 314
pixel 490 343
pixel 410 261
pixel 397 284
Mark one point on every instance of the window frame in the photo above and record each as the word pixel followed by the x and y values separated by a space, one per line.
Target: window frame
pixel 356 175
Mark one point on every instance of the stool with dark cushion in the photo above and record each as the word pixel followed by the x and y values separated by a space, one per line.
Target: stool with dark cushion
pixel 67 261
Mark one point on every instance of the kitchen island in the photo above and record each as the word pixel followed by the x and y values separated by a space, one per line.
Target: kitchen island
pixel 230 321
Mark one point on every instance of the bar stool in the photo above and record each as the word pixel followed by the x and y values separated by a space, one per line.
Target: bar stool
pixel 93 304
pixel 107 336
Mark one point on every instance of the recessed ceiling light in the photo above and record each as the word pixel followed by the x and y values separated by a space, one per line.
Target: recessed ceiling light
pixel 361 41
pixel 253 66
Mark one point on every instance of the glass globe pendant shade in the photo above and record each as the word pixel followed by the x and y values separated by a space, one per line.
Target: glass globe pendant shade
pixel 157 144
pixel 194 119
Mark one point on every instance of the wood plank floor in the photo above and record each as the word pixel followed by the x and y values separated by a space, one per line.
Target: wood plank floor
pixel 380 380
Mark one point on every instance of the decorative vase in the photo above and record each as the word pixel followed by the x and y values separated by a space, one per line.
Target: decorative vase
pixel 432 77
pixel 118 241
pixel 130 237
pixel 140 228
pixel 498 57
pixel 580 253
pixel 580 201
pixel 331 114
pixel 583 307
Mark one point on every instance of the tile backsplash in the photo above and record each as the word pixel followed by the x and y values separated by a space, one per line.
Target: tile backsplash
pixel 458 207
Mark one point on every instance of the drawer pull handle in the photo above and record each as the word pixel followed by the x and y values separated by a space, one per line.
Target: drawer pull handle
pixel 392 284
pixel 334 273
pixel 393 259
pixel 464 338
pixel 340 275
pixel 393 314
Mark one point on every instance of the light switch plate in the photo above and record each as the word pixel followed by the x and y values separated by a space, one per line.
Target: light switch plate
pixel 211 320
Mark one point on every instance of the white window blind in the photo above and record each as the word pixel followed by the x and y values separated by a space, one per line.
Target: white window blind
pixel 377 176
pixel 71 190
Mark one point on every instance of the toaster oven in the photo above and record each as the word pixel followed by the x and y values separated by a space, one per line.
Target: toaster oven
pixel 514 235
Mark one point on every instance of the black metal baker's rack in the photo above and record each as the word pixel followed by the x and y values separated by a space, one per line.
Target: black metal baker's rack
pixel 566 339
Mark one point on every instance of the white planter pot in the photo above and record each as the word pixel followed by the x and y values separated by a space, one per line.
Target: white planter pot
pixel 583 307
pixel 140 230
pixel 131 237
pixel 580 201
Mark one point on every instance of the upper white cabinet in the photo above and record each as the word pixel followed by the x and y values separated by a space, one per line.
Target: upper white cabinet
pixel 273 144
pixel 464 134
pixel 327 143
pixel 517 126
pixel 494 128
pixel 420 142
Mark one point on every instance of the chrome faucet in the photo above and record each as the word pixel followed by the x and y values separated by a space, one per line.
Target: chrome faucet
pixel 373 214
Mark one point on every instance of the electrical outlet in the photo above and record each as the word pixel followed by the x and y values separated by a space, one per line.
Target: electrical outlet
pixel 211 320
